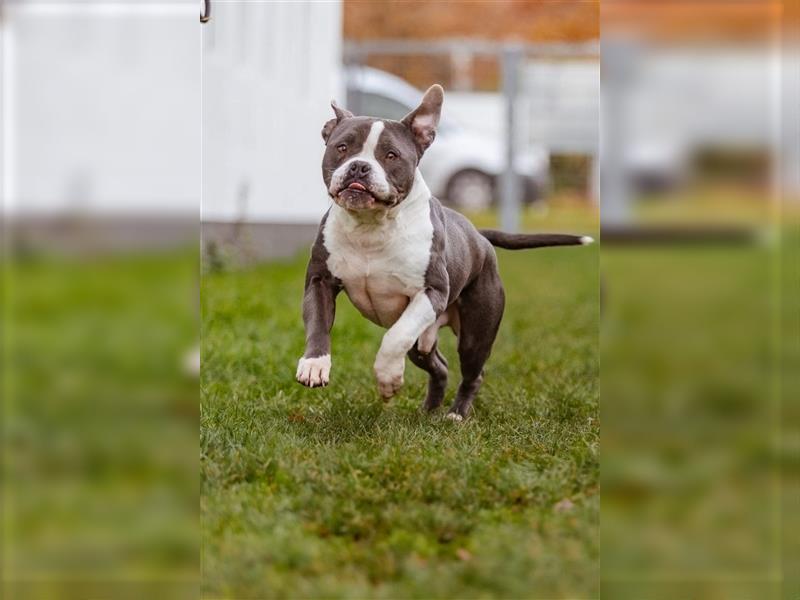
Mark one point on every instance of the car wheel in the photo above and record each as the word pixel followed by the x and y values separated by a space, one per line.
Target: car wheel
pixel 470 190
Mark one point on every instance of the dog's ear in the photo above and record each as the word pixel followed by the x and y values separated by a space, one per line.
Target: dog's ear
pixel 424 119
pixel 341 115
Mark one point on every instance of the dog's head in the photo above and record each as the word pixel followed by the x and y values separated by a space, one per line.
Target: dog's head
pixel 370 164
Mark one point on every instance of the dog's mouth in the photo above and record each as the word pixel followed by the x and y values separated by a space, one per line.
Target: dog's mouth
pixel 357 196
pixel 356 185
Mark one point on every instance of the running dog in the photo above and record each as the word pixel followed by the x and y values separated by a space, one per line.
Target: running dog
pixel 406 262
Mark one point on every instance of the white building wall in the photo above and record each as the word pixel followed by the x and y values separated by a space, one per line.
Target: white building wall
pixel 269 73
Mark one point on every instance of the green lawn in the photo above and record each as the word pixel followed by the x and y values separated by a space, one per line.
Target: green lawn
pixel 332 493
pixel 700 421
pixel 99 426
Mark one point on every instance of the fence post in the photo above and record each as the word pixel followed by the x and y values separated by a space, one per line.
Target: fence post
pixel 461 67
pixel 616 195
pixel 510 189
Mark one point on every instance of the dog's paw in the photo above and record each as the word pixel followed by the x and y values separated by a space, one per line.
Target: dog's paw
pixel 389 373
pixel 451 416
pixel 314 372
pixel 389 387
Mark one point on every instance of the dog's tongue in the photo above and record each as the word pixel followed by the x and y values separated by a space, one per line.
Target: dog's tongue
pixel 356 186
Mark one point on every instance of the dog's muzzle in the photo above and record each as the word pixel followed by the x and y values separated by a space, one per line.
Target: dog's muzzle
pixel 357 195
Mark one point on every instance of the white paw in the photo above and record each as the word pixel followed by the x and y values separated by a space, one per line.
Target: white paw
pixel 314 372
pixel 389 373
pixel 453 416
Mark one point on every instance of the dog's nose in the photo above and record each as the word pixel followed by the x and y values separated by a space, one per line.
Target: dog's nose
pixel 359 168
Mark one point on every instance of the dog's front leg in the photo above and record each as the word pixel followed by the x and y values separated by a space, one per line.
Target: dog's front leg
pixel 390 361
pixel 319 310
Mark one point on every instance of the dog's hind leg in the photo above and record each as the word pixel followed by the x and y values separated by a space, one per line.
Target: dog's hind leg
pixel 480 312
pixel 436 366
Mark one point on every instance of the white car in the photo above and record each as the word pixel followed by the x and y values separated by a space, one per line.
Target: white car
pixel 463 167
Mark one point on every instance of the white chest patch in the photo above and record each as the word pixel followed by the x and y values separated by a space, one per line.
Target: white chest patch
pixel 382 262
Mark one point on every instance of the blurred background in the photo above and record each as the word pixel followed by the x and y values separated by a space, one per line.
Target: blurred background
pixel 699 184
pixel 101 189
pixel 518 142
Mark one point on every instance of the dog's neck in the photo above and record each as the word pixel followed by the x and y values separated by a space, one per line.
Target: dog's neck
pixel 414 203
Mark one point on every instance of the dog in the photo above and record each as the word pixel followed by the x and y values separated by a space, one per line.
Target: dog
pixel 406 262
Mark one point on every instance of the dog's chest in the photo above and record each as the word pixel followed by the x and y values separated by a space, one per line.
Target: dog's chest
pixel 382 266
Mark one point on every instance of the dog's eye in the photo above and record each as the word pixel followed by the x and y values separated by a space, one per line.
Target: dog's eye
pixel 342 147
pixel 391 155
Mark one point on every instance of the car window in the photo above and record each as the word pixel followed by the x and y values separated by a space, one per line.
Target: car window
pixel 383 107
pixel 376 105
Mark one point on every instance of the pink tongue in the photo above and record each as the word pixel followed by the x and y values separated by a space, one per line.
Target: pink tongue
pixel 357 186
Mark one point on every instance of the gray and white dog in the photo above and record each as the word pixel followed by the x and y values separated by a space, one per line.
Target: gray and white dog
pixel 406 262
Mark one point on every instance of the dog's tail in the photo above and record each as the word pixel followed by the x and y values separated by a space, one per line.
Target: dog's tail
pixel 521 241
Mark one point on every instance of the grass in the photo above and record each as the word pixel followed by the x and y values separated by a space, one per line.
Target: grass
pixel 92 507
pixel 699 421
pixel 332 493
